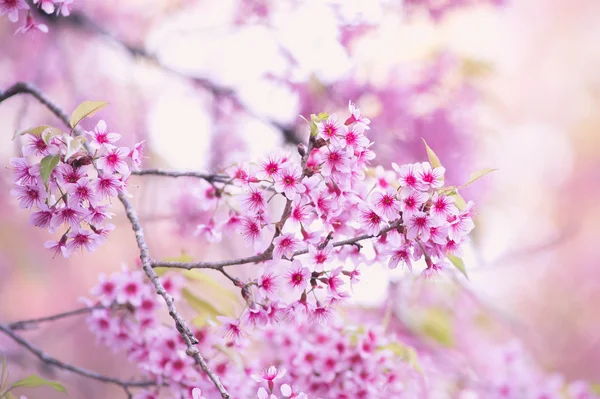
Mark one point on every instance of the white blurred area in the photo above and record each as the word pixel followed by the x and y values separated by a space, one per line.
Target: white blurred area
pixel 523 133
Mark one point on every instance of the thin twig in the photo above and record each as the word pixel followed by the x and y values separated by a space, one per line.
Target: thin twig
pixel 47 359
pixel 24 324
pixel 180 323
pixel 211 178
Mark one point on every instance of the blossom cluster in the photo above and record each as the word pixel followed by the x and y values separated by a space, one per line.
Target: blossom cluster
pixel 127 318
pixel 12 9
pixel 332 204
pixel 68 188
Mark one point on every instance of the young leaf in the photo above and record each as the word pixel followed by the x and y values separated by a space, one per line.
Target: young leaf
pixel 406 353
pixel 433 159
pixel 74 145
pixel 84 110
pixel 437 325
pixel 205 309
pixel 459 201
pixel 459 264
pixel 34 381
pixel 47 165
pixel 36 131
pixel 476 175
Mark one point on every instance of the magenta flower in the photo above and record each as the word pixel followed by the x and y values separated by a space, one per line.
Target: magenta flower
pixel 269 168
pixel 269 376
pixel 24 173
pixel 31 24
pixel 253 201
pixel 29 195
pixel 289 182
pixel 197 394
pixel 386 204
pixel 419 225
pixel 335 162
pixel 297 276
pixel 408 176
pixel 81 239
pixel 285 245
pixel 442 207
pixel 330 128
pixel 114 161
pixel 412 201
pixel 102 138
pixel 82 191
pixel 369 219
pixel 12 7
pixel 42 217
pixel 319 256
pixel 136 154
pixel 431 177
pixel 356 116
pixel 231 328
pixel 46 5
pixel 108 185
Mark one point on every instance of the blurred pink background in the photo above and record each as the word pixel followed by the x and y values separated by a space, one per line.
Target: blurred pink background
pixel 532 65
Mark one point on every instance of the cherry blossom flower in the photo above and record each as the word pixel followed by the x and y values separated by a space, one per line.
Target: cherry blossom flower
pixel 298 276
pixel 408 176
pixel 270 168
pixel 289 182
pixel 114 161
pixel 386 204
pixel 136 154
pixel 101 137
pixel 34 144
pixel 46 5
pixel 269 376
pixel 12 7
pixel 64 7
pixel 82 191
pixel 263 394
pixel 58 247
pixel 319 256
pixel 419 225
pixel 24 174
pixel 369 219
pixel 253 201
pixel 411 202
pixel 442 207
pixel 356 116
pixel 231 328
pixel 197 394
pixel 70 214
pixel 335 162
pixel 42 217
pixel 250 230
pixel 431 177
pixel 331 128
pixel 108 185
pixel 285 245
pixel 81 239
pixel 29 195
pixel 30 24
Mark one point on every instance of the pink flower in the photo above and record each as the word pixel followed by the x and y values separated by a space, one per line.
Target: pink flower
pixel 419 225
pixel 106 289
pixel 330 128
pixel 82 191
pixel 253 201
pixel 210 231
pixel 356 116
pixel 12 7
pixel 23 173
pixel 29 196
pixel 81 239
pixel 386 204
pixel 58 247
pixel 270 168
pixel 369 219
pixel 411 201
pixel 400 254
pixel 442 207
pixel 269 376
pixel 197 394
pixel 285 245
pixel 35 145
pixel 97 214
pixel 250 230
pixel 267 284
pixel 231 328
pixel 334 282
pixel 289 182
pixel 30 24
pixel 263 394
pixel 131 288
pixel 46 5
pixel 136 154
pixel 291 393
pixel 297 276
pixel 42 217
pixel 434 269
pixel 335 162
pixel 108 185
pixel 64 7
pixel 101 138
pixel 114 161
pixel 354 139
pixel 431 178
pixel 319 256
pixel 71 214
pixel 407 176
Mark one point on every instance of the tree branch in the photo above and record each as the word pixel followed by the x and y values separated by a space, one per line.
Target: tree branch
pixel 211 178
pixel 47 359
pixel 180 323
pixel 24 324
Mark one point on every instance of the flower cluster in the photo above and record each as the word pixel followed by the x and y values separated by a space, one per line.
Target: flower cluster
pixel 70 189
pixel 330 204
pixel 12 8
pixel 129 320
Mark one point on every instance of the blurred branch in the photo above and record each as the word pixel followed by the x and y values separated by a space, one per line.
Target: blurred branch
pixel 181 325
pixel 49 360
pixel 25 324
pixel 82 21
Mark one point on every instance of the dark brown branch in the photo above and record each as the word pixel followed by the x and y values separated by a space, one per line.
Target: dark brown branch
pixel 49 360
pixel 211 178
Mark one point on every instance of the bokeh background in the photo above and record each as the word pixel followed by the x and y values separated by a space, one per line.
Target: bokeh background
pixel 507 85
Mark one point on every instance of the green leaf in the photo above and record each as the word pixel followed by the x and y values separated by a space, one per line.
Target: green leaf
pixel 459 201
pixel 10 395
pixel 433 159
pixel 406 353
pixel 35 381
pixel 437 325
pixel 595 388
pixel 84 110
pixel 476 175
pixel 36 131
pixel 204 308
pixel 458 263
pixel 47 165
